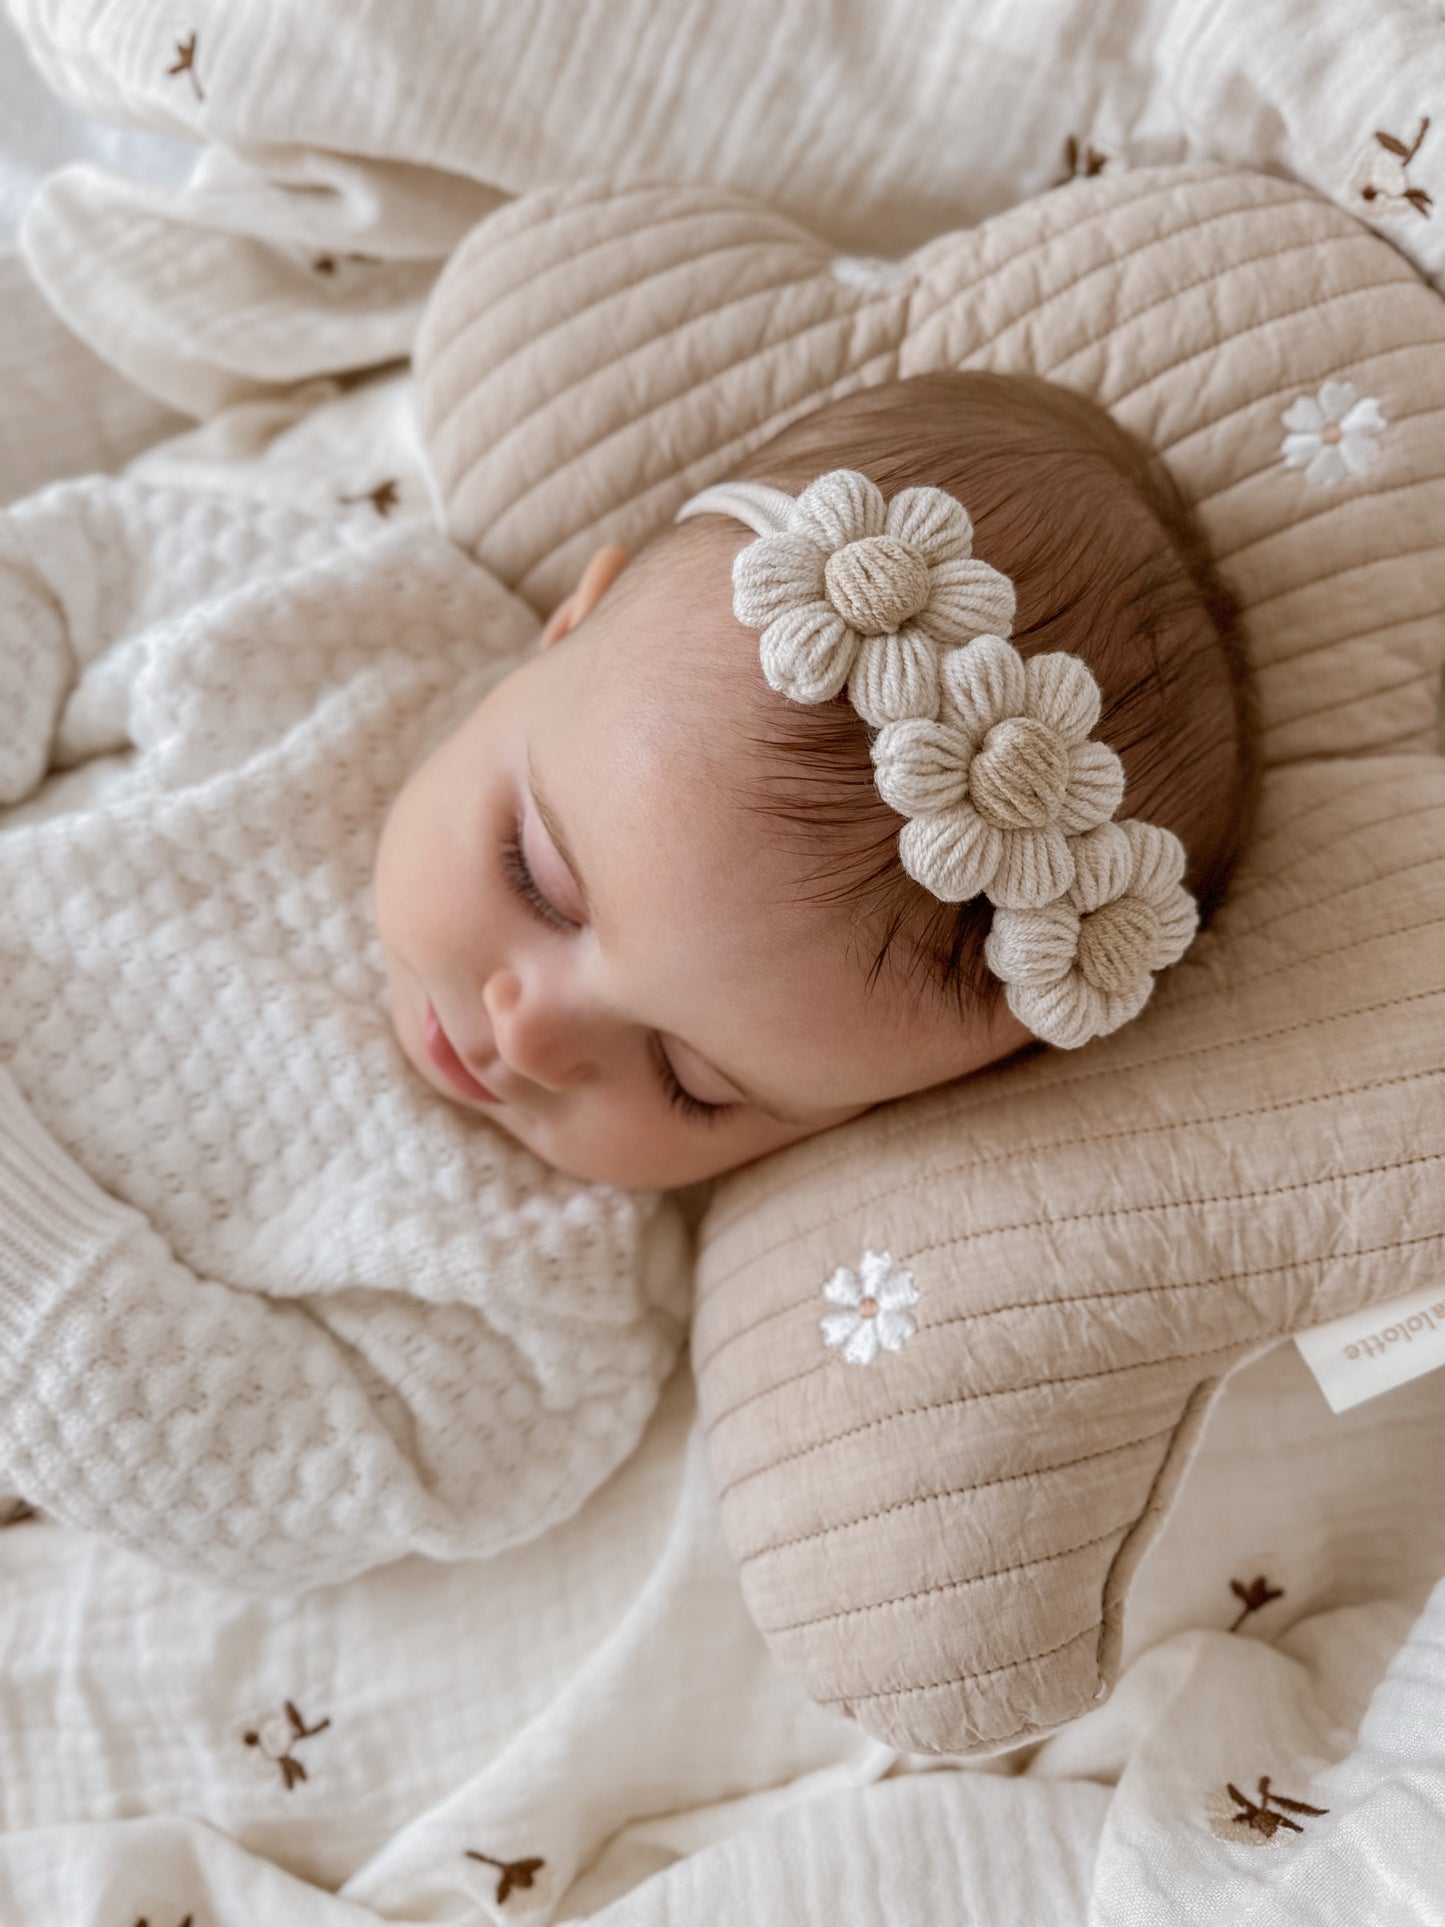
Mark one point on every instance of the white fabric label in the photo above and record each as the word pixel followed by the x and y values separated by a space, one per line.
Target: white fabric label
pixel 1368 1352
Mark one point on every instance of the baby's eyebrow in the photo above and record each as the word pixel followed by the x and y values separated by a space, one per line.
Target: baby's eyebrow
pixel 554 830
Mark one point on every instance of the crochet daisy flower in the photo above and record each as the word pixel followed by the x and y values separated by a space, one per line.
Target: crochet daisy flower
pixel 875 1299
pixel 996 787
pixel 1332 434
pixel 1082 966
pixel 865 592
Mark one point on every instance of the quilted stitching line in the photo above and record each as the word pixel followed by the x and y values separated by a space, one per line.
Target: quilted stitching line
pixel 1350 568
pixel 1414 740
pixel 810 1370
pixel 610 294
pixel 971 1165
pixel 500 250
pixel 1234 1347
pixel 1369 292
pixel 1334 835
pixel 1166 198
pixel 1112 1215
pixel 1153 1129
pixel 1110 268
pixel 435 352
pixel 951 1492
pixel 1333 897
pixel 964 1679
pixel 982 1161
pixel 1356 638
pixel 1068 1082
pixel 519 428
pixel 1136 1293
pixel 1344 702
pixel 1340 950
pixel 1186 1284
pixel 1106 1371
pixel 707 467
pixel 1250 476
pixel 1349 503
pixel 1150 196
pixel 945 1586
pixel 527 213
pixel 843 319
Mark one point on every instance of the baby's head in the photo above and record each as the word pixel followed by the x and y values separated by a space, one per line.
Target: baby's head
pixel 658 908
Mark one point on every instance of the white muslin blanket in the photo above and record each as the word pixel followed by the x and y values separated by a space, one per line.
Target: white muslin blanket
pixel 588 1727
pixel 347 149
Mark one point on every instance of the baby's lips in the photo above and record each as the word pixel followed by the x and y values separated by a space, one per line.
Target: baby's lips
pixel 443 1053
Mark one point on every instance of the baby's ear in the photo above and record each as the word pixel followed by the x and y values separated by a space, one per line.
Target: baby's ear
pixel 599 575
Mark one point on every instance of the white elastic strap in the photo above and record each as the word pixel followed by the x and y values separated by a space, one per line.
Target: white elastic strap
pixel 762 509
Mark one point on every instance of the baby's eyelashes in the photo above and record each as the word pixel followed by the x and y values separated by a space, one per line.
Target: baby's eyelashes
pixel 523 883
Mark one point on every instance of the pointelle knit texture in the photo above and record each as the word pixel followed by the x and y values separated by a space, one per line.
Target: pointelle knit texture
pixel 271 1310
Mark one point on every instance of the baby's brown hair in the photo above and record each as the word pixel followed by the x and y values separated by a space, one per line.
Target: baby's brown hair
pixel 1106 564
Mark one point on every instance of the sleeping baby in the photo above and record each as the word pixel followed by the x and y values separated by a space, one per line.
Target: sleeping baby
pixel 372 976
pixel 727 889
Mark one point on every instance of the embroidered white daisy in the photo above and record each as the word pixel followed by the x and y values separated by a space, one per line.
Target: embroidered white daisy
pixel 874 1314
pixel 1332 434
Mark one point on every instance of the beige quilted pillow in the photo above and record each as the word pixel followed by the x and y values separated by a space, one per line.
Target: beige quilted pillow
pixel 941 1543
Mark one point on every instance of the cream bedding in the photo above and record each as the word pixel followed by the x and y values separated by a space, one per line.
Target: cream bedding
pixel 599 1702
pixel 350 151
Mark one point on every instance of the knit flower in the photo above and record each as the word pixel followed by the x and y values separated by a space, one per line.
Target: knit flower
pixel 1083 966
pixel 858 591
pixel 996 787
pixel 875 1298
pixel 1332 434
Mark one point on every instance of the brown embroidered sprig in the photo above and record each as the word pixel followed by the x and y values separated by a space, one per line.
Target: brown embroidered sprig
pixel 510 1873
pixel 1256 1595
pixel 326 263
pixel 279 1748
pixel 1081 163
pixel 185 63
pixel 1385 188
pixel 1263 1816
pixel 17 1512
pixel 187 1922
pixel 383 498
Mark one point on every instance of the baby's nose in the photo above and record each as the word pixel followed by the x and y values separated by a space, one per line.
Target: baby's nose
pixel 538 1034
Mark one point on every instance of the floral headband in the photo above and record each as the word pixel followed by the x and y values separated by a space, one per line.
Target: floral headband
pixel 986 754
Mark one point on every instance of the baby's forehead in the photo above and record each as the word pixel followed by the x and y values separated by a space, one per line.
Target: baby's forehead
pixel 655 726
pixel 664 648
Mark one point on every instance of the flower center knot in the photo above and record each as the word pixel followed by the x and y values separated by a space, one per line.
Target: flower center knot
pixel 876 584
pixel 867 1307
pixel 1020 775
pixel 1116 944
pixel 1332 433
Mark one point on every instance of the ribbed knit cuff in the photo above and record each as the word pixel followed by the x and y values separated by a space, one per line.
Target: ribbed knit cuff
pixel 54 1222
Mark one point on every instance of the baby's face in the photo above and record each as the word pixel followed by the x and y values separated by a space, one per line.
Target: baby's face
pixel 595 942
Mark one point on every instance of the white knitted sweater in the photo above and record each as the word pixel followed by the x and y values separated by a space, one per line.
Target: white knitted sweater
pixel 270 1309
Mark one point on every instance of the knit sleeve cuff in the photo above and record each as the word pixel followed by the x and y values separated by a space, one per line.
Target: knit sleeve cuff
pixel 55 1222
